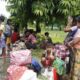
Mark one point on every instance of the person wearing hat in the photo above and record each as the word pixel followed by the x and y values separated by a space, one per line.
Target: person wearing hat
pixel 75 45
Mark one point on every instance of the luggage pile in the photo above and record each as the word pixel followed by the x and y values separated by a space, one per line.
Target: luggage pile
pixel 18 69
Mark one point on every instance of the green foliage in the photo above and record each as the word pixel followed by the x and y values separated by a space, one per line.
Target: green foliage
pixel 46 11
pixel 40 38
pixel 69 7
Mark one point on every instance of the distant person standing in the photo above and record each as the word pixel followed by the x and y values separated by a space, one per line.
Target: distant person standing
pixel 15 36
pixel 2 37
pixel 8 33
pixel 75 44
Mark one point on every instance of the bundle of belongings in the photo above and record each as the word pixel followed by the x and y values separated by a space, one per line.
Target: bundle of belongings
pixel 18 45
pixel 58 68
pixel 62 58
pixel 18 69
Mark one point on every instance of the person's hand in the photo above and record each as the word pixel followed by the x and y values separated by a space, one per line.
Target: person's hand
pixel 69 21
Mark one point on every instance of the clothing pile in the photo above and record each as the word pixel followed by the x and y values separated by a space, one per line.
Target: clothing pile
pixel 19 45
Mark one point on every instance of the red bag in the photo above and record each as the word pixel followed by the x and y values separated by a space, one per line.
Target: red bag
pixel 21 57
pixel 55 75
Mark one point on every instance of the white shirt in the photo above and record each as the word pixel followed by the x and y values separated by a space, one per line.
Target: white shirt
pixel 8 30
pixel 73 28
pixel 77 34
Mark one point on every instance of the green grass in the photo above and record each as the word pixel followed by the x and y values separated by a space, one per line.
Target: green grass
pixel 57 36
pixel 37 53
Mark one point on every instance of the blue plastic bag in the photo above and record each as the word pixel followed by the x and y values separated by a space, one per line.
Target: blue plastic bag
pixel 36 66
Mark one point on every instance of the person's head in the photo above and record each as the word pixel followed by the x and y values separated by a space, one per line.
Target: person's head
pixel 78 21
pixel 49 47
pixel 46 34
pixel 2 19
pixel 27 33
pixel 15 30
pixel 9 21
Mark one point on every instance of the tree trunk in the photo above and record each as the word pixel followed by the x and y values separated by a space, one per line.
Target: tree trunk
pixel 60 28
pixel 38 28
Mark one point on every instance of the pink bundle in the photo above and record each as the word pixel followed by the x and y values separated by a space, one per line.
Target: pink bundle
pixel 20 73
pixel 21 57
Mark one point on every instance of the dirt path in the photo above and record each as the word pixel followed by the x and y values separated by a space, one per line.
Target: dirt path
pixel 3 67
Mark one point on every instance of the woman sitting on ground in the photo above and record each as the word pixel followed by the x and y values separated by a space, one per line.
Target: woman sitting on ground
pixel 31 40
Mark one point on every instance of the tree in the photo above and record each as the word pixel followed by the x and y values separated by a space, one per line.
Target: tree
pixel 47 11
pixel 69 7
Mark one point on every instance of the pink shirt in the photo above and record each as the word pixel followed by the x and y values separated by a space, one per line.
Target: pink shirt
pixel 32 38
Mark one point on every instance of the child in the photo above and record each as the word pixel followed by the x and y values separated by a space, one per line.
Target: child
pixel 15 36
pixel 2 43
pixel 48 38
pixel 48 56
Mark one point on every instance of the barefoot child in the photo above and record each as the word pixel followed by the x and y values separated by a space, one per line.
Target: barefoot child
pixel 48 56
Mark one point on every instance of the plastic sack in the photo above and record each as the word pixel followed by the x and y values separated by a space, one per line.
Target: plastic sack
pixel 21 57
pixel 18 46
pixel 61 52
pixel 36 66
pixel 52 75
pixel 58 64
pixel 20 73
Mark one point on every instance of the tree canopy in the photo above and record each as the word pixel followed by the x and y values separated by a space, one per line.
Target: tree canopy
pixel 47 11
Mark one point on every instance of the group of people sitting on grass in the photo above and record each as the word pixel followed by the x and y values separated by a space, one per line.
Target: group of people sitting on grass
pixel 30 39
pixel 9 36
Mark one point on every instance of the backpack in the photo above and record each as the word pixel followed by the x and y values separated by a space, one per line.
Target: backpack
pixel 36 66
pixel 70 36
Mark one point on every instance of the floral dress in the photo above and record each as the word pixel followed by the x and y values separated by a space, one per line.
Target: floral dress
pixel 76 63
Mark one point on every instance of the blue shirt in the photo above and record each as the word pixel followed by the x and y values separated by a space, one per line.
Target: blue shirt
pixel 2 41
